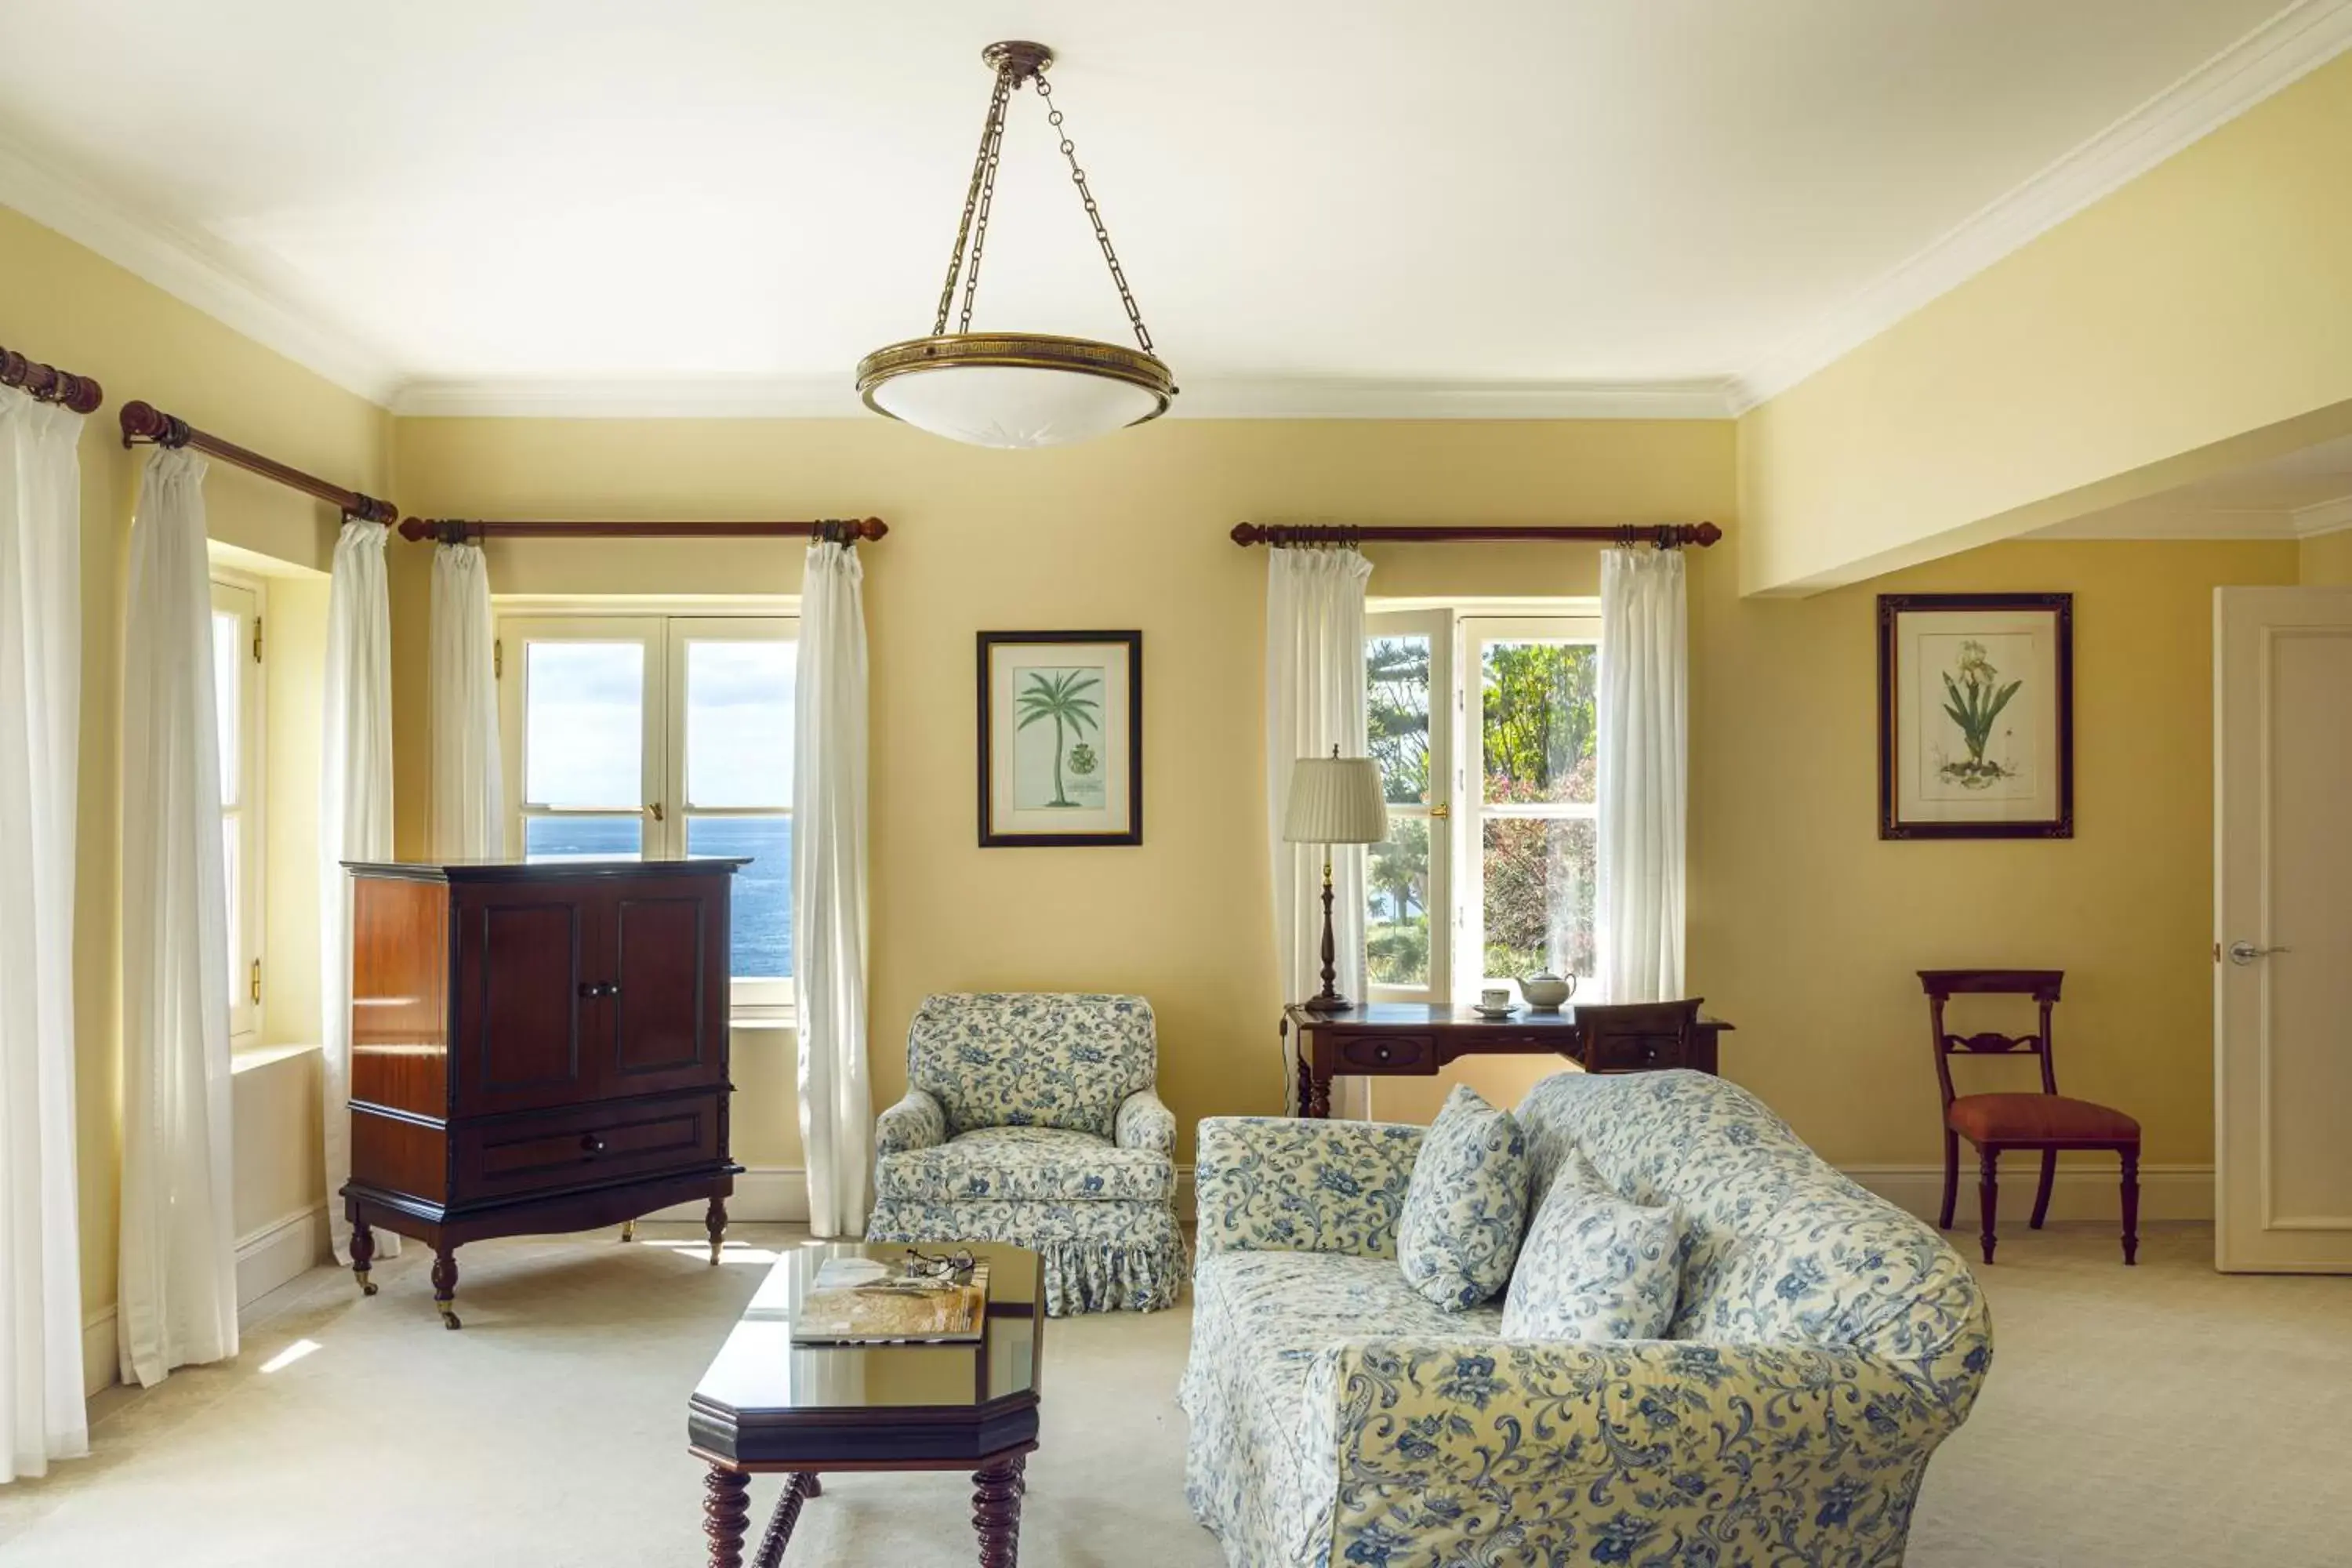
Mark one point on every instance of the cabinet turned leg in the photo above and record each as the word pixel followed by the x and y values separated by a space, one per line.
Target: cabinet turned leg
pixel 444 1286
pixel 996 1493
pixel 363 1255
pixel 798 1488
pixel 715 1221
pixel 2131 1207
pixel 1988 1194
pixel 726 1514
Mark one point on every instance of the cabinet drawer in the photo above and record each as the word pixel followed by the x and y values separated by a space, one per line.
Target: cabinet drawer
pixel 1634 1053
pixel 588 1147
pixel 1383 1053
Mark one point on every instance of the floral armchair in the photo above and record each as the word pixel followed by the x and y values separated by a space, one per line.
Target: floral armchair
pixel 1824 1344
pixel 1030 1119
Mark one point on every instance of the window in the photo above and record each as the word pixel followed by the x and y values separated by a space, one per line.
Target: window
pixel 1480 883
pixel 665 736
pixel 236 707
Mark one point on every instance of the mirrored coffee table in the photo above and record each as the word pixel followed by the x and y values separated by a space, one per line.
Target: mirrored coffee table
pixel 769 1406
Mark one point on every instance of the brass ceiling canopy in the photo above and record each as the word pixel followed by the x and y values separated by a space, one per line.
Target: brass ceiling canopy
pixel 1015 389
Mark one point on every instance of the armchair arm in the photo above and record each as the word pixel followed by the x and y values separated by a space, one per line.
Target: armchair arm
pixel 1624 1451
pixel 1274 1184
pixel 915 1122
pixel 1145 1124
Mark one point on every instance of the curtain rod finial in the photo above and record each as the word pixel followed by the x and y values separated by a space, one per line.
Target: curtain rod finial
pixel 1246 534
pixel 142 421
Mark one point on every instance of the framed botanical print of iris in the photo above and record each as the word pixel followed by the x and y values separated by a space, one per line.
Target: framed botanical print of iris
pixel 1975 716
pixel 1061 738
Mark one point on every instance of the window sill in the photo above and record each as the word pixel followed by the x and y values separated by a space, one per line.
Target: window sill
pixel 252 1059
pixel 750 1018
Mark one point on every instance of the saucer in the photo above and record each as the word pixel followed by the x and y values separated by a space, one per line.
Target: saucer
pixel 1485 1012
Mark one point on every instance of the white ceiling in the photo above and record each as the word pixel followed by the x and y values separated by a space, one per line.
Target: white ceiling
pixel 1328 205
pixel 2302 493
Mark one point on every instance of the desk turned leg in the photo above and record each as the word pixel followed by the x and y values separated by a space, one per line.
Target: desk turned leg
pixel 363 1255
pixel 996 1493
pixel 715 1221
pixel 444 1286
pixel 725 1515
pixel 798 1488
pixel 1318 1098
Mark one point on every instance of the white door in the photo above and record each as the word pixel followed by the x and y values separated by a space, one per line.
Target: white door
pixel 2283 928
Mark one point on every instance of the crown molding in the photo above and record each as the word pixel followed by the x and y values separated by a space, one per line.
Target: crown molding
pixel 189 269
pixel 2210 522
pixel 2322 517
pixel 1232 397
pixel 2291 45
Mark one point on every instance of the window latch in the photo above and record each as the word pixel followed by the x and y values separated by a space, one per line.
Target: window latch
pixel 256 983
pixel 657 809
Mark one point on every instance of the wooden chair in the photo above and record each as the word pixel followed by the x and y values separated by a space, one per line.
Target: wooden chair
pixel 2048 1121
pixel 1636 1037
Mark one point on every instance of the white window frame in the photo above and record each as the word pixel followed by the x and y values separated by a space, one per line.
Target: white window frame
pixel 663 629
pixel 1458 631
pixel 245 801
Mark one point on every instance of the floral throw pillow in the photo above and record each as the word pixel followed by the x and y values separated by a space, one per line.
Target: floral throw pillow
pixel 1594 1267
pixel 1467 1204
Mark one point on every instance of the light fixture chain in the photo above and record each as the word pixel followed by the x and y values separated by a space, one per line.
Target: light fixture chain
pixel 989 160
pixel 1094 215
pixel 984 166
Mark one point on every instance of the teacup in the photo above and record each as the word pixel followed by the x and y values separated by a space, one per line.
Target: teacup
pixel 1496 998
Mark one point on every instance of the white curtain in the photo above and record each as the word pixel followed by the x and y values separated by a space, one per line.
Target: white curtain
pixel 41 1414
pixel 354 824
pixel 1315 700
pixel 468 805
pixel 1643 762
pixel 177 1296
pixel 829 890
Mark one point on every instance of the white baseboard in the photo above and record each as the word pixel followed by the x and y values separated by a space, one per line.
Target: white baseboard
pixel 2088 1191
pixel 279 1252
pixel 767 1195
pixel 101 1362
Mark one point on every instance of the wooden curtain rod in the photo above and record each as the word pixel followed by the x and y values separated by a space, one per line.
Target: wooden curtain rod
pixel 145 422
pixel 457 530
pixel 1665 535
pixel 50 384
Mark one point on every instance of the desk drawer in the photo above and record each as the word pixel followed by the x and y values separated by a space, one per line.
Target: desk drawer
pixel 587 1147
pixel 1382 1052
pixel 1634 1053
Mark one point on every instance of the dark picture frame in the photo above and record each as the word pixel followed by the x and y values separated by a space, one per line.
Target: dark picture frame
pixel 1108 705
pixel 1974 702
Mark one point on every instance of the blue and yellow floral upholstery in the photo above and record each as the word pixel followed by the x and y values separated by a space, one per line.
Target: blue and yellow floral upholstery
pixel 1825 1343
pixel 1466 1205
pixel 1594 1268
pixel 1030 1119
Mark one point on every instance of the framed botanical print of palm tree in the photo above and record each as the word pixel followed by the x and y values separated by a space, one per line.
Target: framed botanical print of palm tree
pixel 1975 716
pixel 1061 738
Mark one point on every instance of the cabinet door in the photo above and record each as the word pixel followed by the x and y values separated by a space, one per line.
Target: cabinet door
pixel 522 952
pixel 668 1016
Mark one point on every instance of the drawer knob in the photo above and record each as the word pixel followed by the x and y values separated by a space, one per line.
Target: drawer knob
pixel 591 1142
pixel 1382 1052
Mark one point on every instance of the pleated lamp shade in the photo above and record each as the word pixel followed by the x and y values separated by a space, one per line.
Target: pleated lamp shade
pixel 1336 800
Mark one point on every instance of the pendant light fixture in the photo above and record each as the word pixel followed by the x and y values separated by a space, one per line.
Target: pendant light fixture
pixel 1015 389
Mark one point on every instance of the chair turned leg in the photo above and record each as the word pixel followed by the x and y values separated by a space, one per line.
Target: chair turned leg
pixel 1988 1193
pixel 2041 1193
pixel 1951 1178
pixel 2131 1207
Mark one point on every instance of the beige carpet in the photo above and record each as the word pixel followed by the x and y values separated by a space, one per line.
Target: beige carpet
pixel 2160 1415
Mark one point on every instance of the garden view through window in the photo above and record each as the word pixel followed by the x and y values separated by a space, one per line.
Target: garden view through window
pixel 1491 877
pixel 667 736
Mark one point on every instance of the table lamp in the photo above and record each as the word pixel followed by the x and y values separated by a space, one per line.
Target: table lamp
pixel 1334 800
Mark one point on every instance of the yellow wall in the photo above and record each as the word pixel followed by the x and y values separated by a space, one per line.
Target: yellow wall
pixel 2327 560
pixel 62 304
pixel 2161 333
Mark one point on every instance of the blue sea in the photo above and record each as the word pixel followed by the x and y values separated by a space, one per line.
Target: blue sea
pixel 762 936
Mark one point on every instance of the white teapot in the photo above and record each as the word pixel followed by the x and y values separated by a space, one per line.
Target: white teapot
pixel 1545 992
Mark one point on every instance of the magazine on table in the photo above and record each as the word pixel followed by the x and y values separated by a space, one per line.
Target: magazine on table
pixel 862 1301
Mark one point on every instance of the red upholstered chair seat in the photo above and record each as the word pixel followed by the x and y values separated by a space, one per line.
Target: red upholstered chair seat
pixel 2036 1119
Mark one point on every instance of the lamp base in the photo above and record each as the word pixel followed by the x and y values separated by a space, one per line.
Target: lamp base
pixel 1329 1004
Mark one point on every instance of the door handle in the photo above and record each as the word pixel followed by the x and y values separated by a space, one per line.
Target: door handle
pixel 591 989
pixel 2246 951
pixel 591 1142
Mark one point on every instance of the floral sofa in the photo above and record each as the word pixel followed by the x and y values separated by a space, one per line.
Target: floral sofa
pixel 1030 1119
pixel 1823 1343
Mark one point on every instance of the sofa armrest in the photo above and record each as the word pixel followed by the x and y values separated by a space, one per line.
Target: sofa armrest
pixel 1145 1124
pixel 1622 1452
pixel 1276 1183
pixel 915 1122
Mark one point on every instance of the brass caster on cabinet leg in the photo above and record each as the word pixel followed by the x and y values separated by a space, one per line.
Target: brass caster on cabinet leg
pixel 628 1230
pixel 714 1252
pixel 448 1316
pixel 367 1286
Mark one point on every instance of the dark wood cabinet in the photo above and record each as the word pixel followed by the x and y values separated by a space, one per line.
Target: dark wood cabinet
pixel 535 1047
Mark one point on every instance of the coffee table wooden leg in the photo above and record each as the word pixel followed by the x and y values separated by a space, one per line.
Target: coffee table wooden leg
pixel 726 1514
pixel 798 1488
pixel 996 1493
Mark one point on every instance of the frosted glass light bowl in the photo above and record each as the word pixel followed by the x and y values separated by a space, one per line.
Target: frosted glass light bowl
pixel 1014 389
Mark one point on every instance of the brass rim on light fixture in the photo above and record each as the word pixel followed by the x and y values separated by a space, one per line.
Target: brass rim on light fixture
pixel 1017 63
